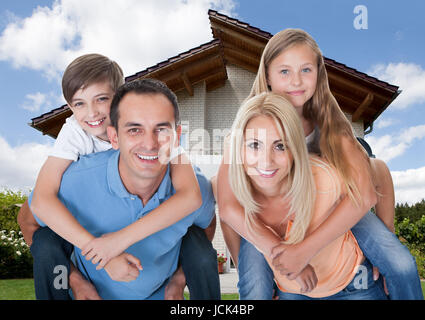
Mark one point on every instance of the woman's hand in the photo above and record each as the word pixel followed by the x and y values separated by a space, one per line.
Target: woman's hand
pixel 289 260
pixel 307 279
pixel 125 268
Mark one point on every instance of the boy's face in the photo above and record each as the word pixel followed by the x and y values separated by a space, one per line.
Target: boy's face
pixel 146 132
pixel 91 106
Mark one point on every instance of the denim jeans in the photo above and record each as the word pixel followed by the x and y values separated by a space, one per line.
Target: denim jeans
pixel 393 259
pixel 362 287
pixel 379 245
pixel 197 257
pixel 50 251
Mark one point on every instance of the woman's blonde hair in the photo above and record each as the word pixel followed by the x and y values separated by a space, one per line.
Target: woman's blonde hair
pixel 300 189
pixel 322 109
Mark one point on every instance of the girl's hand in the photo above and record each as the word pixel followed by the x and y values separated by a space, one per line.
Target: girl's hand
pixel 101 250
pixel 307 279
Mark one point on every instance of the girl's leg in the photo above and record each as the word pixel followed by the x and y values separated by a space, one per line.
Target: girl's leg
pixel 255 276
pixel 362 287
pixel 390 256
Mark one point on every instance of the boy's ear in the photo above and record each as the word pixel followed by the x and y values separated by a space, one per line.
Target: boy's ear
pixel 113 136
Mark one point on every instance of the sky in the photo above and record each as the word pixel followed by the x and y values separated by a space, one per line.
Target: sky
pixel 38 39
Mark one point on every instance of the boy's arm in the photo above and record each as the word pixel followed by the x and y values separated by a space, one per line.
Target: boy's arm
pixel 47 206
pixel 186 200
pixel 385 207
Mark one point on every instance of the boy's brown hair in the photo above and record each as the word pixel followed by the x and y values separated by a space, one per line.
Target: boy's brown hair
pixel 88 69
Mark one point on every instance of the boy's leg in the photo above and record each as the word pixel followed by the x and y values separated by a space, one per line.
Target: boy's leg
pixel 198 259
pixel 256 281
pixel 51 268
pixel 390 256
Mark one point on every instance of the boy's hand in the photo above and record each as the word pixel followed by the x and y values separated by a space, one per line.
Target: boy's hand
pixel 125 268
pixel 307 279
pixel 102 250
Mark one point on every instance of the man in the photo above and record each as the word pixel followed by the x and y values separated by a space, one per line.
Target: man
pixel 110 190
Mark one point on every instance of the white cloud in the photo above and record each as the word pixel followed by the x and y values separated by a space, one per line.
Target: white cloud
pixel 42 102
pixel 409 185
pixel 35 101
pixel 135 33
pixel 409 77
pixel 385 122
pixel 19 166
pixel 389 147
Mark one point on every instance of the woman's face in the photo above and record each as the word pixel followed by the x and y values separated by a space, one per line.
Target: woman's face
pixel 293 74
pixel 266 159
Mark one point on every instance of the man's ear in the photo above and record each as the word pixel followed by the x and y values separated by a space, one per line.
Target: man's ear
pixel 113 136
pixel 179 132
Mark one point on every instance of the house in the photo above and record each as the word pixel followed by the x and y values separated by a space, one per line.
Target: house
pixel 213 79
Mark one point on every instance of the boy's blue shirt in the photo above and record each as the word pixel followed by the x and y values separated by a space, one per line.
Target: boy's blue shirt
pixel 93 192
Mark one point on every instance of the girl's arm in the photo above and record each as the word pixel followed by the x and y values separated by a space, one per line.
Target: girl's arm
pixel 47 206
pixel 292 259
pixel 186 200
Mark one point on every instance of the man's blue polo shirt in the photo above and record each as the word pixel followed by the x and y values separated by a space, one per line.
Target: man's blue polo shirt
pixel 93 192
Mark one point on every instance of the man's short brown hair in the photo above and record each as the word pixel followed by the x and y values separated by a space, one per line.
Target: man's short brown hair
pixel 89 69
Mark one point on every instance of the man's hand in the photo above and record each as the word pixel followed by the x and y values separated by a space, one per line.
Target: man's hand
pixel 175 288
pixel 289 260
pixel 125 268
pixel 307 279
pixel 82 289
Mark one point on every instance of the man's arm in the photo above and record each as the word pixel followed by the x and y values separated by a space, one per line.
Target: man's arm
pixel 27 223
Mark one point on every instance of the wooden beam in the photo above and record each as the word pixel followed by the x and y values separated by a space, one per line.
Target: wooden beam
pixel 242 64
pixel 258 44
pixel 366 103
pixel 352 85
pixel 187 83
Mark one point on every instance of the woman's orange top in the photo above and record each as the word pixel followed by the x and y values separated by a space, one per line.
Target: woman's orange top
pixel 335 267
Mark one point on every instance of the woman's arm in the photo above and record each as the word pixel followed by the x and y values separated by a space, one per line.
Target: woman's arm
pixel 186 200
pixel 385 207
pixel 291 260
pixel 47 206
pixel 231 237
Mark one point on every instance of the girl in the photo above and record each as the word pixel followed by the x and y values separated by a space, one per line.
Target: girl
pixel 277 183
pixel 292 66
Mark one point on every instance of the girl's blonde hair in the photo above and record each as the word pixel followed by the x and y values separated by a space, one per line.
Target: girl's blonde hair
pixel 322 109
pixel 300 189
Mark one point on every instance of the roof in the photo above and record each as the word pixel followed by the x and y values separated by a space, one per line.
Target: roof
pixel 236 42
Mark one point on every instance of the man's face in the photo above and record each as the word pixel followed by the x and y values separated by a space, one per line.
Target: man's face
pixel 146 132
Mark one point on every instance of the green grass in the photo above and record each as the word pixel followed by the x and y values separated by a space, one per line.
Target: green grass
pixel 17 289
pixel 23 289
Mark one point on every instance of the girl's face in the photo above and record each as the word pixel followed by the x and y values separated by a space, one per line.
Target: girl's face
pixel 266 159
pixel 293 74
